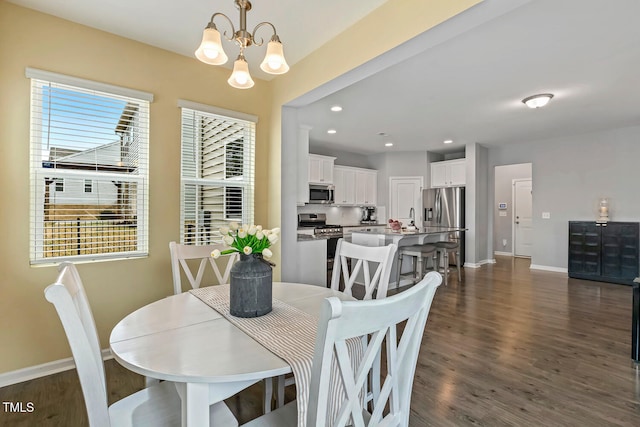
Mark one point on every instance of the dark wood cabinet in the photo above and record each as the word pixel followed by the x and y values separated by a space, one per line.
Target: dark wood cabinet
pixel 604 252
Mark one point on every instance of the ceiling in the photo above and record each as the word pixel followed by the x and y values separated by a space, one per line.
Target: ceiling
pixel 469 88
pixel 466 87
pixel 177 25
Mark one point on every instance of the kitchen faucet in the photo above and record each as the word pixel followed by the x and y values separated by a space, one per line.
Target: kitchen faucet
pixel 412 215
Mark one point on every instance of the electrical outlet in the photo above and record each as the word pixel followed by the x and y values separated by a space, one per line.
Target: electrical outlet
pixel 546 215
pixel 504 242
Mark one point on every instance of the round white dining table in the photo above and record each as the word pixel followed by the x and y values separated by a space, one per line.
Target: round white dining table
pixel 182 339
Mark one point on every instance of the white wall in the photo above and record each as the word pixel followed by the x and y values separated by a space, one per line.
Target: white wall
pixel 503 193
pixel 343 158
pixel 477 206
pixel 405 163
pixel 569 175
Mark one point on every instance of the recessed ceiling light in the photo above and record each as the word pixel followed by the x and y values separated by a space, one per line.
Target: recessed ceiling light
pixel 537 101
pixel 388 144
pixel 448 141
pixel 331 131
pixel 382 134
pixel 336 108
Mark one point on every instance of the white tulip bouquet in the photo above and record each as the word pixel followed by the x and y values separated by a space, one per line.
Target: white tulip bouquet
pixel 247 239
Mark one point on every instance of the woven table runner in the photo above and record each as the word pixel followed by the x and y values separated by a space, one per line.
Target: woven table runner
pixel 290 334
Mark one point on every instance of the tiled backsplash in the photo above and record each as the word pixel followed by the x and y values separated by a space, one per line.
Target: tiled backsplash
pixel 339 214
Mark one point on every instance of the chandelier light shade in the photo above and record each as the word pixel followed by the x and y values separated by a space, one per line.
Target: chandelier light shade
pixel 274 62
pixel 240 78
pixel 537 101
pixel 211 51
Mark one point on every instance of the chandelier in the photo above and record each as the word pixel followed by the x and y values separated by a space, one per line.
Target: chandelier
pixel 211 51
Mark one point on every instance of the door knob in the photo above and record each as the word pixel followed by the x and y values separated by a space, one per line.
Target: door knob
pixel 517 222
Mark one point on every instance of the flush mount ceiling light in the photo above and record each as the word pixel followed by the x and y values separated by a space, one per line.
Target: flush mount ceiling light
pixel 211 51
pixel 537 101
pixel 336 108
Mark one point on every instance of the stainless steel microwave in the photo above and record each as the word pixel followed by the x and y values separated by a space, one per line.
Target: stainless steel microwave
pixel 321 194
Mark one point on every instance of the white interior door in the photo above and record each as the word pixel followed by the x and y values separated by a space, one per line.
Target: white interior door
pixel 405 193
pixel 522 217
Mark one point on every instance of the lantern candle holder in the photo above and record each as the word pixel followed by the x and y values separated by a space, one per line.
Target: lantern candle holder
pixel 603 211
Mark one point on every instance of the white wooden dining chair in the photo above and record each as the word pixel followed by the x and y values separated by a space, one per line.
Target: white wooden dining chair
pixel 378 319
pixel 180 257
pixel 361 259
pixel 181 254
pixel 157 405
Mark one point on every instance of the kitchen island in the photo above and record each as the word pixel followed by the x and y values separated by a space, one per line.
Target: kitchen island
pixel 383 236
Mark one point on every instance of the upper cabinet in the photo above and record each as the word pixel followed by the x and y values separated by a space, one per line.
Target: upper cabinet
pixel 449 173
pixel 355 186
pixel 320 169
pixel 366 187
pixel 344 179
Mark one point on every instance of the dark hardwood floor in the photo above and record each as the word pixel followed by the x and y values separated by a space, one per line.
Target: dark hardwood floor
pixel 507 347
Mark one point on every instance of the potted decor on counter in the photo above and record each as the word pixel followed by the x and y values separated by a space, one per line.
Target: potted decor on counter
pixel 395 225
pixel 251 278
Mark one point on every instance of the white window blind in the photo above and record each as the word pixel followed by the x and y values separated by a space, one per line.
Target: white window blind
pixel 217 172
pixel 89 170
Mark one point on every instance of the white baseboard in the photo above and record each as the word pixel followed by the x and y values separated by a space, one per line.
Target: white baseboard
pixel 503 253
pixel 548 268
pixel 38 371
pixel 479 264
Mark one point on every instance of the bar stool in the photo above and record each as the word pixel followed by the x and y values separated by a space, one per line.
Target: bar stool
pixel 443 249
pixel 420 253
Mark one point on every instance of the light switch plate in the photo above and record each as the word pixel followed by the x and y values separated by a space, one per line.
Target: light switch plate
pixel 502 213
pixel 546 215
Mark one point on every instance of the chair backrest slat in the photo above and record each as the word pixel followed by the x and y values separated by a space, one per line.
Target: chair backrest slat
pixel 70 301
pixel 376 319
pixel 181 254
pixel 362 259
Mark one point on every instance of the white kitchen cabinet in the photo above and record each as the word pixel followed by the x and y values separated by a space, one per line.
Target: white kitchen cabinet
pixel 355 186
pixel 311 260
pixel 344 179
pixel 449 173
pixel 366 187
pixel 320 169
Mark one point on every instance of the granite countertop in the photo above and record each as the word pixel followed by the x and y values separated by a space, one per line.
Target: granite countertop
pixel 420 231
pixel 364 225
pixel 310 237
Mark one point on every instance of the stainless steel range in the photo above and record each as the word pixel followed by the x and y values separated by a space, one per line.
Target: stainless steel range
pixel 332 232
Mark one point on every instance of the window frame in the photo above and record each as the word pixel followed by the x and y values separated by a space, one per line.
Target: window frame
pixel 41 170
pixel 202 233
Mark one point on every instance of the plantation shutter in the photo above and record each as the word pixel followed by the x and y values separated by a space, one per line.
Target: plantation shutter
pixel 217 171
pixel 89 169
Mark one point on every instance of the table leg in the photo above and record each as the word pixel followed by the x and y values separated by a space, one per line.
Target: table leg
pixel 195 405
pixel 200 400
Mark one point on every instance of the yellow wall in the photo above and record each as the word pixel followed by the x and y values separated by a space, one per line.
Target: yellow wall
pixel 30 333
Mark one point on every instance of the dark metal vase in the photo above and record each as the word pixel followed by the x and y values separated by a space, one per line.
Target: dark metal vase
pixel 251 283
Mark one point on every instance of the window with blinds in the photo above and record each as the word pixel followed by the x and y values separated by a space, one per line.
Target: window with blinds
pixel 89 169
pixel 217 173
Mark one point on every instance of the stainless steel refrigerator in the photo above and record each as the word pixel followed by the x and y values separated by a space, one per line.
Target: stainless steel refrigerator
pixel 444 207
